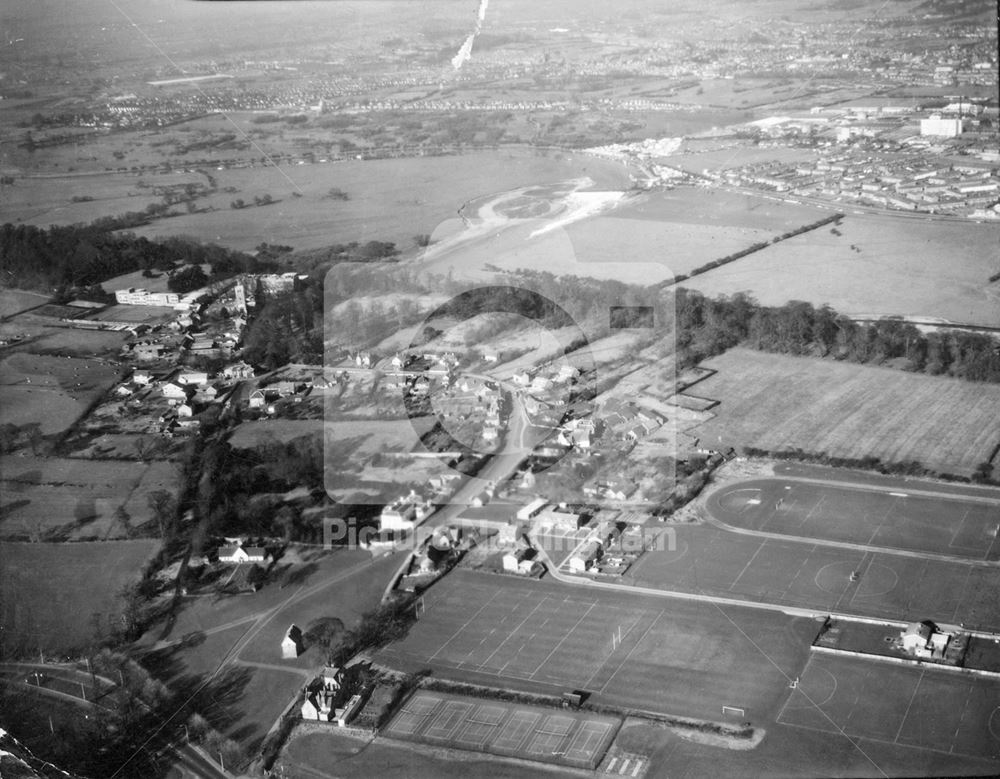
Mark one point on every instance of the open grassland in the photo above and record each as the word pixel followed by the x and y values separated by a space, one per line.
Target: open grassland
pixel 390 200
pixel 65 498
pixel 899 265
pixel 674 657
pixel 50 391
pixel 777 402
pixel 639 239
pixel 50 593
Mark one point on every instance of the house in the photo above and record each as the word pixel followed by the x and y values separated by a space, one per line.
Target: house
pixel 141 378
pixel 397 361
pixel 174 391
pixel 586 557
pixel 522 561
pixel 257 399
pixel 292 644
pixel 123 390
pixel 399 515
pixel 924 640
pixel 318 706
pixel 363 359
pixel 237 553
pixel 185 410
pixel 148 351
pixel 190 378
pixel 238 370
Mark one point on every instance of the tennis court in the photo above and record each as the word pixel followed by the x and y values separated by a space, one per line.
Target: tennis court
pixel 509 729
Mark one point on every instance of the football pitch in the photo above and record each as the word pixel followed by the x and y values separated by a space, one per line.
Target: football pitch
pixel 924 707
pixel 642 653
pixel 893 519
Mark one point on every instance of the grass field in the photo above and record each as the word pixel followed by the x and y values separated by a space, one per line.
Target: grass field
pixel 898 519
pixel 713 561
pixel 674 657
pixel 50 593
pixel 390 200
pixel 923 707
pixel 514 730
pixel 14 300
pixel 779 402
pixel 898 269
pixel 49 390
pixel 317 749
pixel 65 498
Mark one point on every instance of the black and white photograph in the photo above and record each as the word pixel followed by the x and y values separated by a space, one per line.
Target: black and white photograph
pixel 517 389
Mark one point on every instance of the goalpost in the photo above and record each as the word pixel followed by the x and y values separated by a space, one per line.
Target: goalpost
pixel 734 711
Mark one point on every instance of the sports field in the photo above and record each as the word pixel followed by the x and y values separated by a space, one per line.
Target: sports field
pixel 514 730
pixel 896 519
pixel 715 561
pixel 921 707
pixel 643 653
pixel 779 402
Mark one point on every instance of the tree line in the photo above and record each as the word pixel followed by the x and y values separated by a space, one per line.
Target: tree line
pixel 80 256
pixel 707 327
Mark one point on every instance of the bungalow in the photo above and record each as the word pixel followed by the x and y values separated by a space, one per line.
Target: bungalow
pixel 292 644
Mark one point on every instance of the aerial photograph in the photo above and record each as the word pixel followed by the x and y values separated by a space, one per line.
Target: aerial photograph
pixel 521 389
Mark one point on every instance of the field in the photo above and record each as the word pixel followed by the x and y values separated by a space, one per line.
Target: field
pixel 49 390
pixel 897 520
pixel 51 595
pixel 778 402
pixel 898 269
pixel 529 732
pixel 14 300
pixel 674 657
pixel 316 749
pixel 56 498
pixel 408 197
pixel 803 574
pixel 923 707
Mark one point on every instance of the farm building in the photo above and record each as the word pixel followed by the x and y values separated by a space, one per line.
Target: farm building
pixel 291 644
